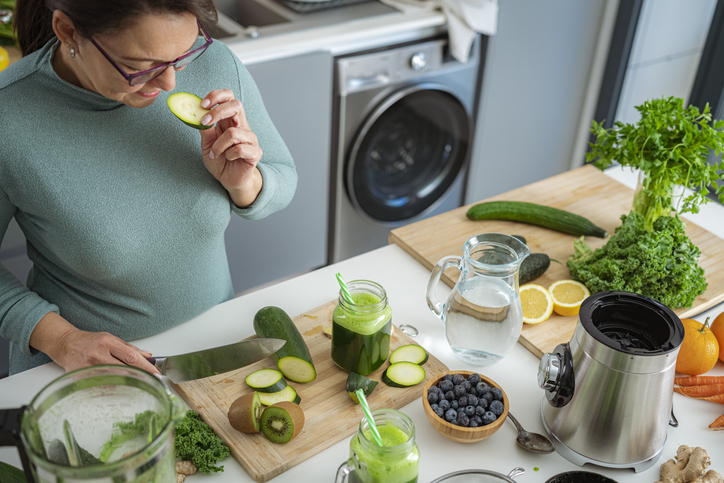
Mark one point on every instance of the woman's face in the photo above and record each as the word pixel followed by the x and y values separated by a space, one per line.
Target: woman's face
pixel 144 43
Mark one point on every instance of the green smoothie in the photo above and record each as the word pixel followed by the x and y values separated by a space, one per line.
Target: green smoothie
pixel 361 333
pixel 382 465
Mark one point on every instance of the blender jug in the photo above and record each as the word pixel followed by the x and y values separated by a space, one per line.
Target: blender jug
pixel 97 424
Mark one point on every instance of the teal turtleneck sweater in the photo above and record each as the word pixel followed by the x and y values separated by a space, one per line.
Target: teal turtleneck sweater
pixel 124 224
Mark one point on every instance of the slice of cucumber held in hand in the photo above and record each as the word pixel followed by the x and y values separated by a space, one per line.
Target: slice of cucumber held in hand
pixel 187 107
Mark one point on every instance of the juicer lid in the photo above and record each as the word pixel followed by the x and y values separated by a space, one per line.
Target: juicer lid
pixel 631 323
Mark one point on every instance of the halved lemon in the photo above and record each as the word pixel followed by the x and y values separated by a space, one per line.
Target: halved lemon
pixel 537 303
pixel 568 295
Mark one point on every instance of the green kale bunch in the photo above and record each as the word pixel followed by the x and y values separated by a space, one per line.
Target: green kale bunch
pixel 197 442
pixel 660 264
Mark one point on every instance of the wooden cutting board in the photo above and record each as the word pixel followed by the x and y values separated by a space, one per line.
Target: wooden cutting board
pixel 585 191
pixel 330 415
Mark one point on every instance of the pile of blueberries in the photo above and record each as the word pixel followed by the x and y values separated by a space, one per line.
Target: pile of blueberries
pixel 465 401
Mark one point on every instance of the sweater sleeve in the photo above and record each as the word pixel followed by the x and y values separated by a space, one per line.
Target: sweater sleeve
pixel 276 165
pixel 20 308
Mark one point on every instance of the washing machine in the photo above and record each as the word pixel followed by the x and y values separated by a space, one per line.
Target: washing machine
pixel 403 126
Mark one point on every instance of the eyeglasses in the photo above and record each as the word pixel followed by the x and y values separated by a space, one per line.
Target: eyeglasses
pixel 147 75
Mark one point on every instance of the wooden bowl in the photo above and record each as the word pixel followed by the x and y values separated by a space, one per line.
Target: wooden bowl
pixel 462 434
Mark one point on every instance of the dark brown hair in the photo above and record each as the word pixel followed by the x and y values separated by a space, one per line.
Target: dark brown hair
pixel 33 18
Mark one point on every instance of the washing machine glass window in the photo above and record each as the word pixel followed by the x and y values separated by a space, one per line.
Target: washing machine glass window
pixel 408 153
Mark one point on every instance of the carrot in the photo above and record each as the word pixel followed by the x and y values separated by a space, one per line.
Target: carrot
pixel 718 422
pixel 699 380
pixel 719 398
pixel 701 391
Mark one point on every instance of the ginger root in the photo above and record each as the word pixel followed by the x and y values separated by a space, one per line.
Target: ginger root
pixel 180 478
pixel 185 467
pixel 690 466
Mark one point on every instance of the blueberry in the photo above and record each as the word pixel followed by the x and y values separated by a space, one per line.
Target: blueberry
pixel 444 404
pixel 458 379
pixel 463 401
pixel 463 420
pixel 478 410
pixel 469 411
pixel 450 395
pixel 434 406
pixel 459 391
pixel 446 385
pixel 497 394
pixel 489 418
pixel 481 388
pixel 497 407
pixel 478 419
pixel 474 379
pixel 468 387
pixel 439 412
pixel 488 396
pixel 483 403
pixel 454 404
pixel 473 424
pixel 472 399
pixel 447 377
pixel 434 389
pixel 452 415
pixel 432 397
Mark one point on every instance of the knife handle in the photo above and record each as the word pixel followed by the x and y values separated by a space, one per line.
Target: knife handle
pixel 156 361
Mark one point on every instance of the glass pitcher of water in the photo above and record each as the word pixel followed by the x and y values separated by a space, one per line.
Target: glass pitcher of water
pixel 483 315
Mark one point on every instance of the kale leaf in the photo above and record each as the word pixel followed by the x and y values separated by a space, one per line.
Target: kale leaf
pixel 661 264
pixel 196 441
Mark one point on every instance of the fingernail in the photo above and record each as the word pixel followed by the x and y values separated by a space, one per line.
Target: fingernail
pixel 205 120
pixel 205 103
pixel 211 155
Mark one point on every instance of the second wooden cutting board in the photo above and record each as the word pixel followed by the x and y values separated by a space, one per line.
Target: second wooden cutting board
pixel 330 414
pixel 585 191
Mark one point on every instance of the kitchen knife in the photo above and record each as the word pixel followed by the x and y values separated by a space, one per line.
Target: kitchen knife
pixel 209 362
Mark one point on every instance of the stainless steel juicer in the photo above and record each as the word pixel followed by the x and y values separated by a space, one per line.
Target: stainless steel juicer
pixel 608 392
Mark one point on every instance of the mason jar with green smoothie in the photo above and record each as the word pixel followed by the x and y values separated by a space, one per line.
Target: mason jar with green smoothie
pixel 361 328
pixel 396 461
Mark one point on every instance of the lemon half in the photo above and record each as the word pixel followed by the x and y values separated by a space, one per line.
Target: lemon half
pixel 537 303
pixel 568 295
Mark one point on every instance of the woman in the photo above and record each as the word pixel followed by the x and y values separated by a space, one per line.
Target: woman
pixel 123 206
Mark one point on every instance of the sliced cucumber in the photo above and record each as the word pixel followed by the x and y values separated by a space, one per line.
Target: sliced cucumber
pixel 286 394
pixel 357 381
pixel 409 353
pixel 187 107
pixel 266 380
pixel 403 374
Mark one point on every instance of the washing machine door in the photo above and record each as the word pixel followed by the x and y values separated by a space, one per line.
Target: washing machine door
pixel 407 153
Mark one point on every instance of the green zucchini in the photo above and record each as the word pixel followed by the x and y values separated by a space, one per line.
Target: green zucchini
pixel 535 214
pixel 266 380
pixel 187 107
pixel 409 353
pixel 286 394
pixel 533 266
pixel 403 374
pixel 357 381
pixel 293 359
pixel 11 474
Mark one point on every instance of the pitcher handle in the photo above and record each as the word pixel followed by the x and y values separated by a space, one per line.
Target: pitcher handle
pixel 446 262
pixel 10 435
pixel 344 470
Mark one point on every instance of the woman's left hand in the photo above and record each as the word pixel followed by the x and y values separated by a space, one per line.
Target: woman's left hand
pixel 230 149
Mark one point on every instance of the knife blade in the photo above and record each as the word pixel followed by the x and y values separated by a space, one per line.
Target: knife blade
pixel 209 362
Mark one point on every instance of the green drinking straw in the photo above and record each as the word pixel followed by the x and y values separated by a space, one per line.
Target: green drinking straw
pixel 344 288
pixel 368 414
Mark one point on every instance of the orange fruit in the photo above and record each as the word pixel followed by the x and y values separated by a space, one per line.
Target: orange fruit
pixel 699 351
pixel 717 328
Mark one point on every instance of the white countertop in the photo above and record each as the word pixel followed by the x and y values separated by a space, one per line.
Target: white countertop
pixel 405 281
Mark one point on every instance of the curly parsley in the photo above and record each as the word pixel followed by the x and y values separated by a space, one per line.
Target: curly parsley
pixel 660 264
pixel 196 441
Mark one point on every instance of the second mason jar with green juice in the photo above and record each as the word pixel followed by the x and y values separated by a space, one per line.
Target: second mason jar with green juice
pixel 361 328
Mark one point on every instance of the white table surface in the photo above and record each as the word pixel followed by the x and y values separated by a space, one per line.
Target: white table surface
pixel 405 281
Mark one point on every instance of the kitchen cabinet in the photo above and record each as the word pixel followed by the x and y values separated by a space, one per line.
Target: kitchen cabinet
pixel 297 93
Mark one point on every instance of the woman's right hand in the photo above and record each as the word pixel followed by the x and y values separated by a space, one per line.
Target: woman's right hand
pixel 72 348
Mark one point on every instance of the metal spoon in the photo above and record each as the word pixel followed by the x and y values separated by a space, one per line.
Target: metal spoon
pixel 533 442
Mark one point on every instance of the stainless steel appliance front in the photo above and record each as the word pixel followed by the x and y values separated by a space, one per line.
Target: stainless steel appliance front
pixel 402 137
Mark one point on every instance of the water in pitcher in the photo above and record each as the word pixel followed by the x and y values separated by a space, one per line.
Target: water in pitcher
pixel 483 321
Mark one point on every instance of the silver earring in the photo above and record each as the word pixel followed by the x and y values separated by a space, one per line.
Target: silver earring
pixel 72 53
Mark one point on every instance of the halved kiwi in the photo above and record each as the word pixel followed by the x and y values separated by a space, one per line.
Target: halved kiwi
pixel 281 422
pixel 245 413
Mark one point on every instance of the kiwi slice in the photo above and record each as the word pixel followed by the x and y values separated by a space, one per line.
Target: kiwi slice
pixel 282 421
pixel 245 412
